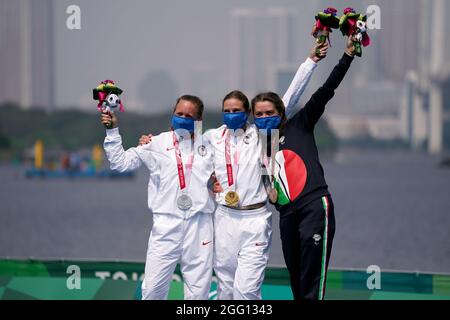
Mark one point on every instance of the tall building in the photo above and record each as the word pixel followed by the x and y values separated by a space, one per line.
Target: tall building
pixel 204 85
pixel 42 59
pixel 10 49
pixel 282 30
pixel 27 46
pixel 398 39
pixel 439 78
pixel 426 107
pixel 261 40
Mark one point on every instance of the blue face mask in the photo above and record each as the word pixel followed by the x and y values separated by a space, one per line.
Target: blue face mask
pixel 235 120
pixel 183 123
pixel 268 123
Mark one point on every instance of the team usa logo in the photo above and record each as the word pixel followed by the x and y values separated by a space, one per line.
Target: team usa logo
pixel 202 150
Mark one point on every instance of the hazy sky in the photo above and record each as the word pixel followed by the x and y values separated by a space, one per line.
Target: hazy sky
pixel 159 49
pixel 182 45
pixel 127 40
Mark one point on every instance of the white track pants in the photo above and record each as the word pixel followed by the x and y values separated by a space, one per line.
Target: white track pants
pixel 241 251
pixel 174 240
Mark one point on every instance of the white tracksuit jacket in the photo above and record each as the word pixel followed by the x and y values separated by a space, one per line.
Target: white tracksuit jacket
pixel 177 235
pixel 242 237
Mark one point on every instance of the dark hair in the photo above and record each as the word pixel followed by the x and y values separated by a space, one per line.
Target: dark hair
pixel 275 100
pixel 193 99
pixel 238 95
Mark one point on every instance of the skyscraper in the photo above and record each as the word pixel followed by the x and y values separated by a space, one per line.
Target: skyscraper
pixel 42 59
pixel 428 100
pixel 398 39
pixel 26 43
pixel 10 44
pixel 260 41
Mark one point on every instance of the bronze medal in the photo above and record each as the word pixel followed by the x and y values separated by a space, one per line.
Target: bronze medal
pixel 273 195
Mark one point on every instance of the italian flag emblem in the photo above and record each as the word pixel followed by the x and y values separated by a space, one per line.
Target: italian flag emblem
pixel 290 176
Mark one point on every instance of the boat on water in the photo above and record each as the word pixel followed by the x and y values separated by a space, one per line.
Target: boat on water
pixel 81 164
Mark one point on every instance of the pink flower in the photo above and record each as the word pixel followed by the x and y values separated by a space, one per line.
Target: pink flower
pixel 331 11
pixel 349 10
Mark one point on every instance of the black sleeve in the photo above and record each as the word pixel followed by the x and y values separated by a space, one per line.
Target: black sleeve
pixel 315 107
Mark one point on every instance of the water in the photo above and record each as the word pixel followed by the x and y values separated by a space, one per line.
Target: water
pixel 392 210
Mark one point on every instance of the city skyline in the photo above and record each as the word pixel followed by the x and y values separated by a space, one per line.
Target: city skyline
pixel 159 50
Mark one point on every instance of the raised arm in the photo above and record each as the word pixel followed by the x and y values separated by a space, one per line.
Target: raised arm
pixel 315 107
pixel 302 78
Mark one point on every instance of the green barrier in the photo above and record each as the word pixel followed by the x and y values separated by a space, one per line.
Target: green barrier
pixel 86 280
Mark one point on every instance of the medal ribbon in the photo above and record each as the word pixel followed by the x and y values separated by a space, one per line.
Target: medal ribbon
pixel 270 162
pixel 181 176
pixel 231 179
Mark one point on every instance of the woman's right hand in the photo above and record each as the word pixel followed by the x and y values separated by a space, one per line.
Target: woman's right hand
pixel 319 51
pixel 109 120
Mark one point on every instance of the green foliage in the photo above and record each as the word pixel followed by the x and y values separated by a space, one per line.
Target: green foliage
pixel 74 129
pixel 5 143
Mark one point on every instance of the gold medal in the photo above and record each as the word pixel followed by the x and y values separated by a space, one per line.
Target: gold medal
pixel 232 199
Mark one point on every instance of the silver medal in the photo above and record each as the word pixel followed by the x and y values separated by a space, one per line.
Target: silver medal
pixel 184 202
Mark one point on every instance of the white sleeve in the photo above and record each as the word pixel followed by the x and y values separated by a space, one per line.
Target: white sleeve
pixel 118 158
pixel 298 86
